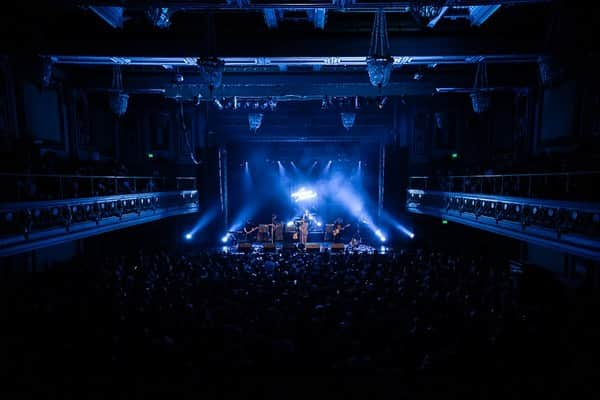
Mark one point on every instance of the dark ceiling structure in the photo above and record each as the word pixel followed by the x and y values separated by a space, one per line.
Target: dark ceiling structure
pixel 294 50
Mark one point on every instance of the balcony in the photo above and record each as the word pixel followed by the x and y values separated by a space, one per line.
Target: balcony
pixel 42 210
pixel 560 210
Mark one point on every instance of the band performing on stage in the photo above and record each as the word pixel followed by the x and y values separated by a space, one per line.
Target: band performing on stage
pixel 300 230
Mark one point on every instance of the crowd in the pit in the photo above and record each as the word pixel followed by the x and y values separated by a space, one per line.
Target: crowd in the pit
pixel 409 312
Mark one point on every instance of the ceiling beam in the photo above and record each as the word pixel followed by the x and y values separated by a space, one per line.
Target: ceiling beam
pixel 298 85
pixel 358 5
pixel 479 14
pixel 113 16
pixel 267 62
pixel 438 17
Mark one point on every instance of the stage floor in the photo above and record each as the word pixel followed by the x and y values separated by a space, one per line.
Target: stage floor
pixel 316 247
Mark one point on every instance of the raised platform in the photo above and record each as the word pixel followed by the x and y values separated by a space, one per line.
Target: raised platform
pixel 314 247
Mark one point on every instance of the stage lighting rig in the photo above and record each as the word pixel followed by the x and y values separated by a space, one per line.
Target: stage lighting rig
pixel 255 121
pixel 348 119
pixel 382 102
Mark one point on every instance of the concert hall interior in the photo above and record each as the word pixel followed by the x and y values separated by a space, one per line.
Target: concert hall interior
pixel 405 190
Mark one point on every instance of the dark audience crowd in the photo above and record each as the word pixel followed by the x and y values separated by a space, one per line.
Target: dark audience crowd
pixel 415 314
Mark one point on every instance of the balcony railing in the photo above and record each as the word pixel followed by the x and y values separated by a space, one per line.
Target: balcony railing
pixel 576 186
pixel 47 209
pixel 40 187
pixel 560 210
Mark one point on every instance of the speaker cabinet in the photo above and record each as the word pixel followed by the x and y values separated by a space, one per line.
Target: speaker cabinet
pixel 269 247
pixel 245 247
pixel 337 247
pixel 313 247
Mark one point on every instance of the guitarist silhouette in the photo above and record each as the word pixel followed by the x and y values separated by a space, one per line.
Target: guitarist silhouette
pixel 338 228
pixel 249 230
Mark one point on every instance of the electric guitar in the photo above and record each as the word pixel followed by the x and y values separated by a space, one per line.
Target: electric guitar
pixel 250 231
pixel 337 231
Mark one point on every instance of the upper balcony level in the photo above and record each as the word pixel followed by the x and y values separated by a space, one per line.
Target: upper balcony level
pixel 557 210
pixel 42 210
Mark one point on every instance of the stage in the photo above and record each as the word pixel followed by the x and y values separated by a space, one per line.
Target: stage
pixel 310 247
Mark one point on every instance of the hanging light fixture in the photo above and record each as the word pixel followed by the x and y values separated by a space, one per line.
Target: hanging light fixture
pixel 159 16
pixel 480 97
pixel 379 61
pixel 118 99
pixel 348 119
pixel 211 69
pixel 255 121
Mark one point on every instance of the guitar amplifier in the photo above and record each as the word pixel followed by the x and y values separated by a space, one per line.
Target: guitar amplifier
pixel 269 247
pixel 313 247
pixel 289 247
pixel 244 247
pixel 337 247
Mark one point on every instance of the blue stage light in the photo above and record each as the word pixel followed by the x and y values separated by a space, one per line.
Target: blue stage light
pixel 225 238
pixel 290 223
pixel 380 235
pixel 188 236
pixel 319 223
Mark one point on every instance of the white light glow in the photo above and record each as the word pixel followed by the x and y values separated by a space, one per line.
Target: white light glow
pixel 304 194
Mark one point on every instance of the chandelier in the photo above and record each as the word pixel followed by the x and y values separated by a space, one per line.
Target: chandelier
pixel 348 119
pixel 481 97
pixel 118 99
pixel 379 61
pixel 255 121
pixel 211 69
pixel 159 16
